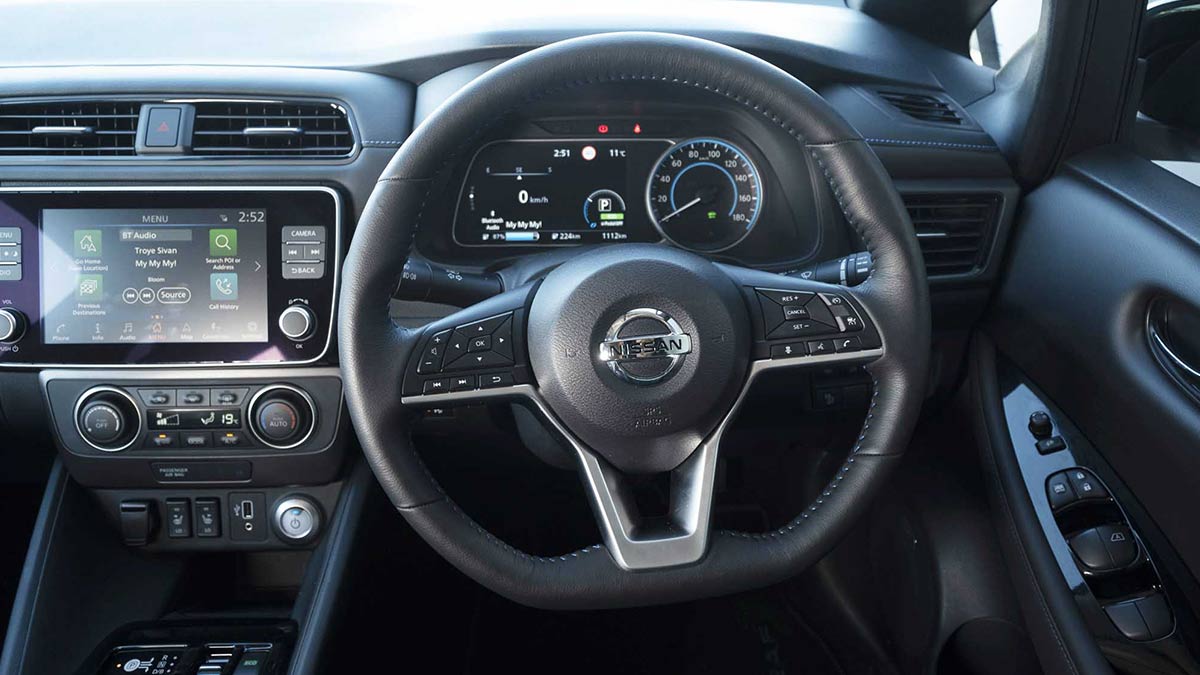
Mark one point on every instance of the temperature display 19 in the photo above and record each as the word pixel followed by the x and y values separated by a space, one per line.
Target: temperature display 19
pixel 557 193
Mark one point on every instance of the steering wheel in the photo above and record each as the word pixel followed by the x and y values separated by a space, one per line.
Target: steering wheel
pixel 637 355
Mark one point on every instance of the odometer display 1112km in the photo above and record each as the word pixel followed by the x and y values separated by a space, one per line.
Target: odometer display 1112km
pixel 704 194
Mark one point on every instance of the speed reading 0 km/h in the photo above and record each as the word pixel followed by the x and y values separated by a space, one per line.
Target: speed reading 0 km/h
pixel 704 194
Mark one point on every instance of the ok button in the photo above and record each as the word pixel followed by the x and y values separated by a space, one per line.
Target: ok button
pixel 481 343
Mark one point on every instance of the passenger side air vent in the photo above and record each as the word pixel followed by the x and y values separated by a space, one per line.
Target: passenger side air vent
pixel 68 128
pixel 923 107
pixel 281 130
pixel 953 229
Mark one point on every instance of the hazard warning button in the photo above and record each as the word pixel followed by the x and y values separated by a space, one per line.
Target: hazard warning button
pixel 162 127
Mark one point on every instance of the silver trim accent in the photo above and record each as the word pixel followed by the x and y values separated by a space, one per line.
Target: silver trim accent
pixel 272 131
pixel 312 409
pixel 137 433
pixel 300 503
pixel 691 482
pixel 62 131
pixel 336 267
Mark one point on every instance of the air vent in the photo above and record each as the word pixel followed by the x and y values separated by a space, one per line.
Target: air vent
pixel 68 128
pixel 953 229
pixel 923 107
pixel 288 130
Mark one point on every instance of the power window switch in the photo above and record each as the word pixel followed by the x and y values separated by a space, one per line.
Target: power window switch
pixel 1157 614
pixel 1090 550
pixel 1059 490
pixel 1121 545
pixel 179 518
pixel 1126 617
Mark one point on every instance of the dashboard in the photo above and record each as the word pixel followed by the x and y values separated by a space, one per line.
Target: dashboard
pixel 168 293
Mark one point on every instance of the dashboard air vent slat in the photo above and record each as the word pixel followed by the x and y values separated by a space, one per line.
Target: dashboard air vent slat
pixel 291 130
pixel 69 128
pixel 953 229
pixel 923 107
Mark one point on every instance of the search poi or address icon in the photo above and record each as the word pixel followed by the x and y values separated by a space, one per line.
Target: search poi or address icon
pixel 222 241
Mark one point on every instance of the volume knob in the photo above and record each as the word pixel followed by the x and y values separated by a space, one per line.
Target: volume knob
pixel 12 325
pixel 297 322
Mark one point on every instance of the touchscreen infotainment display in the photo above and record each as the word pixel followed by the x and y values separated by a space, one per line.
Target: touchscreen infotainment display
pixel 154 276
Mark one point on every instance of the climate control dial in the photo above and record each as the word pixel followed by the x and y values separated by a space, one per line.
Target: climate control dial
pixel 282 416
pixel 107 419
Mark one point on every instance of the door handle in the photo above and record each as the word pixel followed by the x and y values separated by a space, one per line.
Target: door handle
pixel 1169 325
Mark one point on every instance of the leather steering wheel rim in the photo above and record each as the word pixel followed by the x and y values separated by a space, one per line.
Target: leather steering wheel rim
pixel 374 351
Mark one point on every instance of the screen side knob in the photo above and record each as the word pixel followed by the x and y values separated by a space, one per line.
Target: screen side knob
pixel 297 322
pixel 12 325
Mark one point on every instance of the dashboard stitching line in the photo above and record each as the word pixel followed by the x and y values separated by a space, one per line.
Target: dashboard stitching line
pixel 932 144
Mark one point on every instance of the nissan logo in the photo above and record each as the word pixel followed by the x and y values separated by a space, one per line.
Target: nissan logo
pixel 644 346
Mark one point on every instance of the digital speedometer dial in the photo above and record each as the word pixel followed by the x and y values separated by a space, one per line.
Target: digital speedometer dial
pixel 704 194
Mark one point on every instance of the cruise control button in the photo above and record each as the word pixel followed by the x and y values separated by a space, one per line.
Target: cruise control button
pixel 788 350
pixel 803 328
pixel 494 380
pixel 462 383
pixel 782 298
pixel 849 344
pixel 793 312
pixel 1085 484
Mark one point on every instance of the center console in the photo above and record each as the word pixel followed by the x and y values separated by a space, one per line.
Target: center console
pixel 181 338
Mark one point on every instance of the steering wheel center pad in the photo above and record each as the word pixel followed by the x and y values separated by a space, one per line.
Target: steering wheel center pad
pixel 374 351
pixel 639 427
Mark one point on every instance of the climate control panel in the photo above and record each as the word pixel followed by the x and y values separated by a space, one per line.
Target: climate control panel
pixel 122 428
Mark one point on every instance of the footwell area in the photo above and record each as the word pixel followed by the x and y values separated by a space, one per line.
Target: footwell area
pixel 753 634
pixel 407 606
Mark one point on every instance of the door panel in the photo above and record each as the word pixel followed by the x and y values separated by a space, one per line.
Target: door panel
pixel 1095 247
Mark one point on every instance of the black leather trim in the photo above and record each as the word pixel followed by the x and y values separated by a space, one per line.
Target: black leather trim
pixel 1063 642
pixel 373 350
